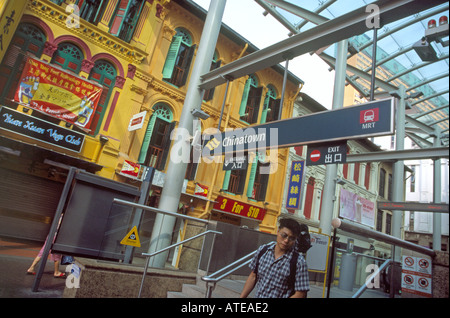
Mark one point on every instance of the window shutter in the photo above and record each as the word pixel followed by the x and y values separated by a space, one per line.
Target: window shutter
pixel 187 64
pixel 257 101
pixel 264 180
pixel 118 18
pixel 245 97
pixel 276 109
pixel 242 175
pixel 147 138
pixel 265 109
pixel 251 180
pixel 172 57
pixel 166 147
pixel 226 180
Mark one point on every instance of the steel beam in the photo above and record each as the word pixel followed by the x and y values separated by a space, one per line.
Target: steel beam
pixel 396 155
pixel 332 31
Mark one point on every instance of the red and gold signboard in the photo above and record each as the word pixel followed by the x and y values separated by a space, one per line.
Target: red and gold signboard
pixel 228 205
pixel 58 93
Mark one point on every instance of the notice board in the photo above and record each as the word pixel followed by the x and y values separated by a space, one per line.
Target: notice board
pixel 90 224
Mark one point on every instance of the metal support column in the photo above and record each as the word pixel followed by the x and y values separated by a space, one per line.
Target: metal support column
pixel 170 196
pixel 398 186
pixel 329 188
pixel 437 217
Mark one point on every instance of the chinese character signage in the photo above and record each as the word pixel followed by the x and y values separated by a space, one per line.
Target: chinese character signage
pixel 328 153
pixel 10 15
pixel 356 208
pixel 58 93
pixel 295 185
pixel 239 208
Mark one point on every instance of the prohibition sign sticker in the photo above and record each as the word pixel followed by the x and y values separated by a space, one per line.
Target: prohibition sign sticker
pixel 423 282
pixel 409 261
pixel 408 279
pixel 315 155
pixel 423 263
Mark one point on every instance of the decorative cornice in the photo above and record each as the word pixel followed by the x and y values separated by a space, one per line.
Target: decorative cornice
pixel 167 90
pixel 47 10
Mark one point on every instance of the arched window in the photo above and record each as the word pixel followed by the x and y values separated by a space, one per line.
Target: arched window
pixel 179 58
pixel 156 145
pixel 251 99
pixel 105 74
pixel 271 108
pixel 28 39
pixel 68 56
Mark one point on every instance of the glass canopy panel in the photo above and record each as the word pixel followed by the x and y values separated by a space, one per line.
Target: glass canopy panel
pixel 398 63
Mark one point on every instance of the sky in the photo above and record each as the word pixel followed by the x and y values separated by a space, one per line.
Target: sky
pixel 246 18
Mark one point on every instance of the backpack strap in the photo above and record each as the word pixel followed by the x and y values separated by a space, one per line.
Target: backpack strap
pixel 261 253
pixel 293 270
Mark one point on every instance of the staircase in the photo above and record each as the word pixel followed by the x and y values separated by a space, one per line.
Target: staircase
pixel 226 288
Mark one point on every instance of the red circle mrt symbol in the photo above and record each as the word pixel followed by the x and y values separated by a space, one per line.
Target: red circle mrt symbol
pixel 315 155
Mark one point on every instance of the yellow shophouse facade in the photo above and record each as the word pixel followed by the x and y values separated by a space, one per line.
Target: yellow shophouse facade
pixel 139 53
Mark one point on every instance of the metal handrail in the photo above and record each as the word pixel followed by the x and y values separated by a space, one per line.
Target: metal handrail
pixel 149 255
pixel 372 276
pixel 211 281
pixel 152 209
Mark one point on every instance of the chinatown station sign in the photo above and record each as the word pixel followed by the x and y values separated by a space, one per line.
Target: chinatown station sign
pixel 237 208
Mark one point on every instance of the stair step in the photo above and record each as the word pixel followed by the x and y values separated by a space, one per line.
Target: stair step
pixel 226 288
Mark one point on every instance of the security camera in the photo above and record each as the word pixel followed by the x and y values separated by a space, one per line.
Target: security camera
pixel 199 114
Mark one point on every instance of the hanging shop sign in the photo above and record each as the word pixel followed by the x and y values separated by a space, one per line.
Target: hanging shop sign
pixel 295 185
pixel 130 169
pixel 41 130
pixel 242 209
pixel 137 121
pixel 201 190
pixel 58 93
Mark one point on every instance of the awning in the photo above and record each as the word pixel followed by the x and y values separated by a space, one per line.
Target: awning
pixel 40 154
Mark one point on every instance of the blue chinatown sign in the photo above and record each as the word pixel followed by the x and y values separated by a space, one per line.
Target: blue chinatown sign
pixel 366 120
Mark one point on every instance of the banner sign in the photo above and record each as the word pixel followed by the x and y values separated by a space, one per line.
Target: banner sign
pixel 58 93
pixel 38 129
pixel 356 208
pixel 239 208
pixel 295 185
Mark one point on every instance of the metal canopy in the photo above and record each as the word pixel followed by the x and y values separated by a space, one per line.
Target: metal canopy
pixel 399 55
pixel 317 24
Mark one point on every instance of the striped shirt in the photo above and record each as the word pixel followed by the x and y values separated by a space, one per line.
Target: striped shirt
pixel 273 274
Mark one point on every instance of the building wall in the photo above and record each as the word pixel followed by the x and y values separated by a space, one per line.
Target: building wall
pixel 139 86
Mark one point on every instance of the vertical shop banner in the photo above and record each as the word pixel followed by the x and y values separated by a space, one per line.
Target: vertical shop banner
pixel 58 93
pixel 356 208
pixel 295 185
